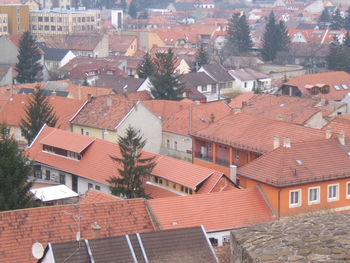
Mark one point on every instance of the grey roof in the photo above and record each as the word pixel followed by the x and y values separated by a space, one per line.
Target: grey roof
pixel 218 72
pixel 197 79
pixel 45 92
pixel 184 6
pixel 118 84
pixel 53 54
pixel 175 245
pixel 246 74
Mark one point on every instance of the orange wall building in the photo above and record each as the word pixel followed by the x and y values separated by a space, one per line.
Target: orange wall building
pixel 18 17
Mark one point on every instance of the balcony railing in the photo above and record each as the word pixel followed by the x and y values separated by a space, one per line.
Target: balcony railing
pixel 223 162
pixel 207 158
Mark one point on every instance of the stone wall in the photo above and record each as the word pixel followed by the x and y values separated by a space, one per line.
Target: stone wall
pixel 307 238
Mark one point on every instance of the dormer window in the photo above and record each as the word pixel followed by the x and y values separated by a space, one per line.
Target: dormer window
pixel 62 152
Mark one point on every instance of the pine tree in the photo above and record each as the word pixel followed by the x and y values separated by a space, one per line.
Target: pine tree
pixel 337 21
pixel 283 36
pixel 336 59
pixel 165 84
pixel 123 5
pixel 347 20
pixel 134 167
pixel 238 36
pixel 15 171
pixel 346 43
pixel 146 67
pixel 201 58
pixel 37 113
pixel 28 67
pixel 133 9
pixel 324 20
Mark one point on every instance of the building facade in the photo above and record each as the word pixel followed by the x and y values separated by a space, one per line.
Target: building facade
pixel 64 22
pixel 3 24
pixel 17 18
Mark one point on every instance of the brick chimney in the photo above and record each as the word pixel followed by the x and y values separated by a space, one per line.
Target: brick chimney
pixel 341 138
pixel 109 100
pixel 95 230
pixel 286 142
pixel 328 133
pixel 276 142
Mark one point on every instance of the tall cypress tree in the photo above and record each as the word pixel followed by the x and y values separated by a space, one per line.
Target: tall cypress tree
pixel 165 84
pixel 201 58
pixel 283 36
pixel 15 171
pixel 336 59
pixel 134 167
pixel 337 21
pixel 28 67
pixel 324 20
pixel 238 36
pixel 37 113
pixel 146 67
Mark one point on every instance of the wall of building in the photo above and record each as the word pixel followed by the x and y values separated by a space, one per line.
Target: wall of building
pixel 220 236
pixel 132 48
pixel 177 146
pixel 7 78
pixel 149 125
pixel 18 18
pixel 316 121
pixel 102 48
pixel 107 135
pixel 4 27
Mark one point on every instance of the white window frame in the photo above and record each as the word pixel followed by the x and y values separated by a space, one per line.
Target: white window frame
pixel 317 201
pixel 290 198
pixel 337 195
pixel 346 190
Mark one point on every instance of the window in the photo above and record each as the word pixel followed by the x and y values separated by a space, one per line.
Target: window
pixel 236 155
pixel 97 187
pixel 53 28
pixel 87 133
pixel 333 192
pixel 245 84
pixel 38 173
pixel 82 131
pixel 48 175
pixel 160 180
pixel 204 88
pixel 47 28
pixel 174 186
pixel 52 19
pixel 348 190
pixel 90 185
pixel 168 144
pixel 175 145
pixel 182 188
pixel 46 19
pixel 314 195
pixel 167 183
pixel 294 198
pixel 62 179
pixel 40 19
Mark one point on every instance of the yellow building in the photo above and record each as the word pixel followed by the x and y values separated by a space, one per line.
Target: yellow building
pixel 64 22
pixel 3 24
pixel 17 16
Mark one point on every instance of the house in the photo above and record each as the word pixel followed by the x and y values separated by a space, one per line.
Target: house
pixel 203 83
pixel 222 77
pixel 55 58
pixel 83 162
pixel 243 138
pixel 217 212
pixel 87 45
pixel 23 227
pixel 327 85
pixel 124 45
pixel 107 117
pixel 157 246
pixel 307 179
pixel 13 110
pixel 309 112
pixel 5 75
pixel 306 235
pixel 247 79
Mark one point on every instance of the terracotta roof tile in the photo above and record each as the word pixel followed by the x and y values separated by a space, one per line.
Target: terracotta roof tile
pixel 327 78
pixel 302 163
pixel 246 207
pixel 120 43
pixel 94 196
pixel 155 191
pixel 338 125
pixel 73 42
pixel 21 228
pixel 255 133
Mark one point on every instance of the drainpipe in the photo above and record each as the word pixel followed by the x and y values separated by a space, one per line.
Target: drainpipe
pixel 279 203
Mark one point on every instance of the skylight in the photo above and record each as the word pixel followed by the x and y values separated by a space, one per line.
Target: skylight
pixel 336 87
pixel 299 162
pixel 344 86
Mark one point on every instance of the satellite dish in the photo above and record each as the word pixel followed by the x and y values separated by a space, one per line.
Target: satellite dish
pixel 37 250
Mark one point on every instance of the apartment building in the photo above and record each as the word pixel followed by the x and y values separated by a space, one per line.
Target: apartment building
pixel 3 24
pixel 64 22
pixel 17 18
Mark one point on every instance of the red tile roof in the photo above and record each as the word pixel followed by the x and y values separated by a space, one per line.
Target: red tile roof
pixel 21 228
pixel 94 196
pixel 302 163
pixel 74 143
pixel 215 211
pixel 255 133
pixel 155 191
pixel 13 110
pixel 326 78
pixel 120 43
pixel 338 125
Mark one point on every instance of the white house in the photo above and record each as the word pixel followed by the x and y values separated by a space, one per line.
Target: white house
pixel 247 79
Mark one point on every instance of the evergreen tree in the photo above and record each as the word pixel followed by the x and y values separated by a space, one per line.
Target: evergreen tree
pixel 15 171
pixel 133 9
pixel 201 58
pixel 324 20
pixel 134 168
pixel 123 5
pixel 146 67
pixel 346 43
pixel 337 57
pixel 337 21
pixel 28 66
pixel 275 38
pixel 238 35
pixel 165 84
pixel 37 113
pixel 347 20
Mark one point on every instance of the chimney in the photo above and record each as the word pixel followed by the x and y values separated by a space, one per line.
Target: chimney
pixel 233 173
pixel 276 142
pixel 53 94
pixel 95 230
pixel 328 133
pixel 286 142
pixel 109 101
pixel 341 138
pixel 89 97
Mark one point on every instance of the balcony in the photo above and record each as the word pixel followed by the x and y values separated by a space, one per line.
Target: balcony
pixel 203 157
pixel 223 162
